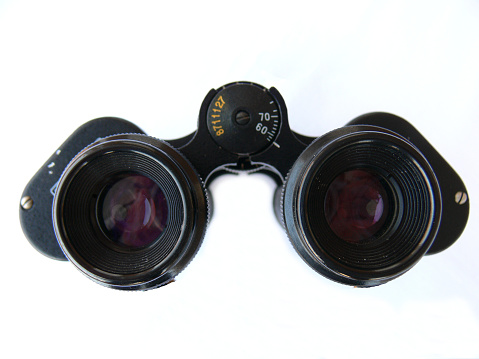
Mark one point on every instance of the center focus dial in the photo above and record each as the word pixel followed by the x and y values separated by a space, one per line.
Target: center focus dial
pixel 243 118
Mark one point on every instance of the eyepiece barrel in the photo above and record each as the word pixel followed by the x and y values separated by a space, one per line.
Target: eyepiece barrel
pixel 130 212
pixel 361 205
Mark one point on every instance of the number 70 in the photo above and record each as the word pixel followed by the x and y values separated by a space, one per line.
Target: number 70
pixel 265 116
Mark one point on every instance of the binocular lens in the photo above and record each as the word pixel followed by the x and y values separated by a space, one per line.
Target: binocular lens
pixel 133 211
pixel 130 212
pixel 356 205
pixel 361 205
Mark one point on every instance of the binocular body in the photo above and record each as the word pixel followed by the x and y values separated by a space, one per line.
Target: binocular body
pixel 361 204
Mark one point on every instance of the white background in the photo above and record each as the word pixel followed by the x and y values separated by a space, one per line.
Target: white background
pixel 246 294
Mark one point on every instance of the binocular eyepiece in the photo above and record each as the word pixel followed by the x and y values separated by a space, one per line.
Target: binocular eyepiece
pixel 361 204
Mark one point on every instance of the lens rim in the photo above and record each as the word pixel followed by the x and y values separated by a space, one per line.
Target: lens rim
pixel 184 190
pixel 295 209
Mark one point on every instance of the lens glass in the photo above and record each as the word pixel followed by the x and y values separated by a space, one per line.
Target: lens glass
pixel 356 205
pixel 133 211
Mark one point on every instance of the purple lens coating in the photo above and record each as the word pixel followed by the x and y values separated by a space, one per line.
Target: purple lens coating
pixel 356 205
pixel 134 211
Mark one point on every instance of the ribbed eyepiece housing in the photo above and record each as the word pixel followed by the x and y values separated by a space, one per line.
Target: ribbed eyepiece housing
pixel 361 205
pixel 130 212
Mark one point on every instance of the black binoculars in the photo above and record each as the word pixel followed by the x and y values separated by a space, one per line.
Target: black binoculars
pixel 361 204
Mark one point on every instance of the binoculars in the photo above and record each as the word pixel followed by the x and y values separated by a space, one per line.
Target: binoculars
pixel 361 204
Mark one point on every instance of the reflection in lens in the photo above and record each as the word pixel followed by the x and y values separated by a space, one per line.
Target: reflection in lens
pixel 356 206
pixel 133 211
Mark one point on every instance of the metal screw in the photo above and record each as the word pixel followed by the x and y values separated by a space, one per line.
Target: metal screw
pixel 26 203
pixel 461 197
pixel 242 118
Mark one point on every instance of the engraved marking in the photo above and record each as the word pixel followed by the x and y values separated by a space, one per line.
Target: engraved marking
pixel 54 188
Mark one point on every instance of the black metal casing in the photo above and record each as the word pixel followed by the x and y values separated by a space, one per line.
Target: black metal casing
pixel 277 152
